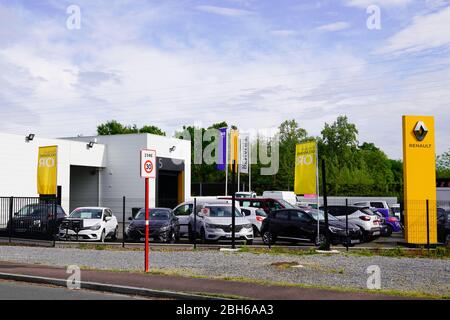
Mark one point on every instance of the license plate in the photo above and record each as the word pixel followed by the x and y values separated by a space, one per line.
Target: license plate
pixel 228 235
pixel 355 241
pixel 376 233
pixel 142 239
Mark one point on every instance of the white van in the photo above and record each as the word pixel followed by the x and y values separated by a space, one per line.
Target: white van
pixel 288 196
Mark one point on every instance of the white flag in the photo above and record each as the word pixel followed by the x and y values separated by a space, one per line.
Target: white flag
pixel 244 152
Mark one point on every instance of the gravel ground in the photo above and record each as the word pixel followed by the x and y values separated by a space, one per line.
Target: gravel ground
pixel 338 270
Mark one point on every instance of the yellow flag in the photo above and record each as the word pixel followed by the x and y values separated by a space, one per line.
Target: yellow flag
pixel 234 147
pixel 305 168
pixel 47 170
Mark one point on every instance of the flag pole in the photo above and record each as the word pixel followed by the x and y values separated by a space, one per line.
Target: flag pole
pixel 239 164
pixel 317 191
pixel 226 164
pixel 249 165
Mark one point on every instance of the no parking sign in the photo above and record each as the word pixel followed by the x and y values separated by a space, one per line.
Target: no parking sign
pixel 148 161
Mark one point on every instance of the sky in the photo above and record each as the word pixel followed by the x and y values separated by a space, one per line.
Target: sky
pixel 248 62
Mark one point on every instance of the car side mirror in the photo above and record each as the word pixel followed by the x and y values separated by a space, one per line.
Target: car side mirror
pixel 130 218
pixel 107 218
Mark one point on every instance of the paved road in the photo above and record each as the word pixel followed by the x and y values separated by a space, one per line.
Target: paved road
pixel 10 290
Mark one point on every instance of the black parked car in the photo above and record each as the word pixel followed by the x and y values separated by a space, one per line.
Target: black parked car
pixel 443 226
pixel 301 224
pixel 37 219
pixel 163 226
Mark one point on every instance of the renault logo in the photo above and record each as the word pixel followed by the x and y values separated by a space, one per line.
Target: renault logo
pixel 420 131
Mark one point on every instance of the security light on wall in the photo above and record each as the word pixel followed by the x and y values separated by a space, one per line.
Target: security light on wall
pixel 29 137
pixel 90 145
pixel 172 149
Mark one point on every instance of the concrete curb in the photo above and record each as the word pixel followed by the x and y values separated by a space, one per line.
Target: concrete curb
pixel 134 291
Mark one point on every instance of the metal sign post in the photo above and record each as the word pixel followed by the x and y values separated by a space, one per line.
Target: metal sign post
pixel 148 171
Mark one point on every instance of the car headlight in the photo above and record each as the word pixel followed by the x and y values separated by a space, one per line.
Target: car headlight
pixel 96 227
pixel 336 230
pixel 212 226
pixel 165 228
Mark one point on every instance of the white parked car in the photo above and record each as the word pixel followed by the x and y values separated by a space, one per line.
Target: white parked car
pixel 184 210
pixel 288 196
pixel 365 219
pixel 90 224
pixel 256 217
pixel 214 223
pixel 245 194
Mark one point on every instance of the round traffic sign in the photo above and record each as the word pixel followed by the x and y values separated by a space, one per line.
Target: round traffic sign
pixel 148 166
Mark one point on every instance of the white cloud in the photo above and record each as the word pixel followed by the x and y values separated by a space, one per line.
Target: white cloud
pixel 425 32
pixel 381 3
pixel 333 27
pixel 223 11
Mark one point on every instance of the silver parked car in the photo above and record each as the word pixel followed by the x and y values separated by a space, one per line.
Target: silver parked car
pixel 214 223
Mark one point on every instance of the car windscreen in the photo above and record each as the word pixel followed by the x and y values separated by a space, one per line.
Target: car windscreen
pixel 86 214
pixel 154 214
pixel 33 210
pixel 321 214
pixel 286 204
pixel 222 212
pixel 261 213
pixel 368 211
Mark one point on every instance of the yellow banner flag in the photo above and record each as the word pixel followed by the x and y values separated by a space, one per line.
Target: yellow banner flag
pixel 234 149
pixel 47 170
pixel 306 168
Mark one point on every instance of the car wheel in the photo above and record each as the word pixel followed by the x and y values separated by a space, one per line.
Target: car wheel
pixel 114 236
pixel 103 236
pixel 319 241
pixel 268 238
pixel 389 231
pixel 171 238
pixel 203 236
pixel 191 234
pixel 255 231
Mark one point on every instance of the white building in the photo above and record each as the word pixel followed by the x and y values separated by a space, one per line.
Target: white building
pixel 101 175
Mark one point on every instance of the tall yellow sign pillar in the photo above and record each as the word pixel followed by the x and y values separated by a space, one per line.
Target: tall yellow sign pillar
pixel 419 178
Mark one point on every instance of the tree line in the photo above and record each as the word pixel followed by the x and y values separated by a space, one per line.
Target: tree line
pixel 353 168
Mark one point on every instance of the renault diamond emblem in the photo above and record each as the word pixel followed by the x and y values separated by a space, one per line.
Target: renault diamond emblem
pixel 420 131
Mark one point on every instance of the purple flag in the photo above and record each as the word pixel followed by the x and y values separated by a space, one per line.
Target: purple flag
pixel 222 150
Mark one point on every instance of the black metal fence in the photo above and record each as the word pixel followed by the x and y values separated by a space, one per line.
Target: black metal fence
pixel 29 218
pixel 40 218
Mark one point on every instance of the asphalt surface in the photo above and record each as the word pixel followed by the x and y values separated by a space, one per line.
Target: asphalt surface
pixel 10 290
pixel 219 288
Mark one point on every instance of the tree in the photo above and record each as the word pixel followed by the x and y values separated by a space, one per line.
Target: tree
pixel 443 165
pixel 152 130
pixel 290 134
pixel 113 127
pixel 340 138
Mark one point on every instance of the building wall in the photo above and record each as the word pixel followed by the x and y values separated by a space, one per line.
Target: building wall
pixel 18 164
pixel 121 178
pixel 443 194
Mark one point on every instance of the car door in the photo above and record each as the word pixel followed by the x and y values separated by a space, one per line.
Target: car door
pixel 109 221
pixel 248 215
pixel 182 212
pixel 302 227
pixel 280 223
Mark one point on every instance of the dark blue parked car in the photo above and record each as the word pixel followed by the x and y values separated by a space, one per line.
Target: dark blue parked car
pixel 391 220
